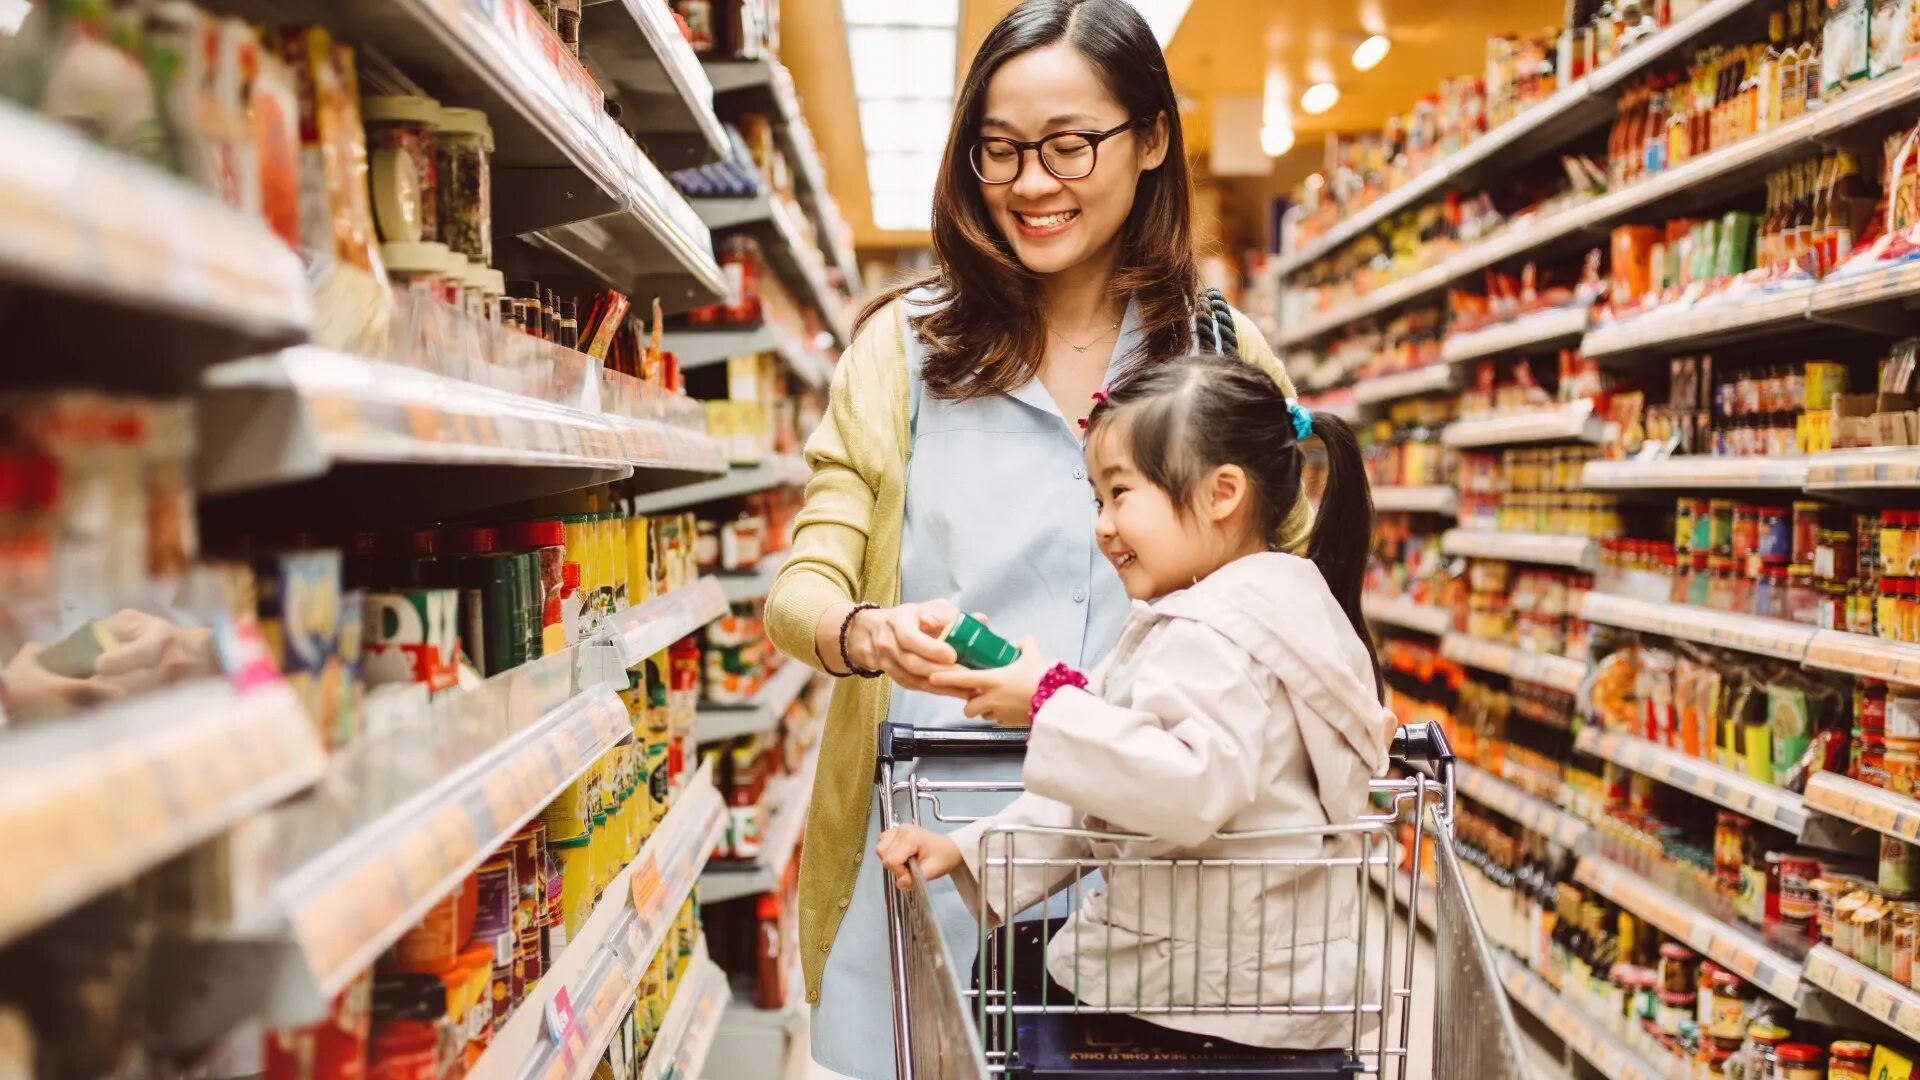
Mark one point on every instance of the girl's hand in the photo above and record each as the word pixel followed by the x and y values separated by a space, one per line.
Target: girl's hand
pixel 901 642
pixel 938 854
pixel 1004 695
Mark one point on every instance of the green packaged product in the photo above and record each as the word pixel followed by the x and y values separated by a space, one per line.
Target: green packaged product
pixel 976 646
pixel 1735 255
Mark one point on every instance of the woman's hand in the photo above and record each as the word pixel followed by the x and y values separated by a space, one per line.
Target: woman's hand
pixel 938 854
pixel 1005 694
pixel 900 642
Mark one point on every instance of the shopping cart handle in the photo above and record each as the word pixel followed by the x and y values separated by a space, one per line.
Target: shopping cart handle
pixel 1422 742
pixel 904 742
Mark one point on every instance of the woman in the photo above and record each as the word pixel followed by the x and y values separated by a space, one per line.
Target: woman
pixel 1062 235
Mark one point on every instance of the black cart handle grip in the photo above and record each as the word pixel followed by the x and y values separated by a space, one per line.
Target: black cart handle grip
pixel 1422 742
pixel 904 742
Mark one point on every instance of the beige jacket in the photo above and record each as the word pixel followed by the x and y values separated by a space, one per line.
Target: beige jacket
pixel 1243 703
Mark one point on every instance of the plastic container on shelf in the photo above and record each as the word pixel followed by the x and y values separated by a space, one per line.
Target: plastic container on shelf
pixel 402 138
pixel 464 160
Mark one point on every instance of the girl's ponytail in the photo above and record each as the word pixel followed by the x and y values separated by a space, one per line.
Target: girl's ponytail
pixel 1343 525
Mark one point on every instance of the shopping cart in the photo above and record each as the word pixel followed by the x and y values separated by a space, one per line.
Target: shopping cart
pixel 991 1015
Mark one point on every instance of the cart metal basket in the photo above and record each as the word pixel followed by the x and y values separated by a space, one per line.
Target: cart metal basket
pixel 997 1012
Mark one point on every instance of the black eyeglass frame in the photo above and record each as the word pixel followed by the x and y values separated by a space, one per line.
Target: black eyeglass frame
pixel 1093 138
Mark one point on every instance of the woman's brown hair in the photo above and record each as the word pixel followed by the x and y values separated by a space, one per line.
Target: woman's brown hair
pixel 988 334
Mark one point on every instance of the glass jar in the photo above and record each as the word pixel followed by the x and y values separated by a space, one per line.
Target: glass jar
pixel 1730 996
pixel 465 182
pixel 1906 926
pixel 1849 1059
pixel 1799 1061
pixel 402 166
pixel 1676 969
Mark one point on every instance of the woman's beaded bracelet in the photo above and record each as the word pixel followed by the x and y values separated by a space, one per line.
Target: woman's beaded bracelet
pixel 1057 676
pixel 846 657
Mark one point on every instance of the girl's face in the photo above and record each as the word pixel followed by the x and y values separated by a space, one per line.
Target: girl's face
pixel 1053 224
pixel 1155 548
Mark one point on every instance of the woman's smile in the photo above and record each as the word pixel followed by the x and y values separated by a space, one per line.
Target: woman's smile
pixel 1043 225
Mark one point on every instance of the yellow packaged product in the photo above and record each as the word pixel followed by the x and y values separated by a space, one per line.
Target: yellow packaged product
pixel 1889 1064
pixel 568 815
pixel 575 857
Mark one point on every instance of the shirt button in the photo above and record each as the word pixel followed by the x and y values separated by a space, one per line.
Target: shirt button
pixel 1079 474
pixel 844 901
pixel 1079 596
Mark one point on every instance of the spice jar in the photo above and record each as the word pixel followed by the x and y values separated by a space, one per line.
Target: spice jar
pixel 1799 1061
pixel 1676 969
pixel 402 169
pixel 1729 1007
pixel 1849 1059
pixel 465 182
pixel 1906 924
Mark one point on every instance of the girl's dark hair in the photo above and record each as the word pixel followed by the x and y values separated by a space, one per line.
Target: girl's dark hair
pixel 1191 416
pixel 988 334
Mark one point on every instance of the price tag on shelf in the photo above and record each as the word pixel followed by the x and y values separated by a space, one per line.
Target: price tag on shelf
pixel 420 860
pixel 425 423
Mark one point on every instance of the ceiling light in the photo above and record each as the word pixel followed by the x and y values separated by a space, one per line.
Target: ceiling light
pixel 1368 54
pixel 1319 98
pixel 1276 139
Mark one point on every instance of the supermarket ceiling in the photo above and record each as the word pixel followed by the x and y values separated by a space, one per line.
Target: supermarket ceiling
pixel 1222 50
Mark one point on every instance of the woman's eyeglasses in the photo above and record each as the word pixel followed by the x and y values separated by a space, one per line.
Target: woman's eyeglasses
pixel 1068 155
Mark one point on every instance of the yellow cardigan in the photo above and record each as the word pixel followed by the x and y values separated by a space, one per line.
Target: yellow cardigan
pixel 846 546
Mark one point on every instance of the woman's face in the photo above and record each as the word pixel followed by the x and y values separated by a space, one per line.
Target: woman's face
pixel 1052 224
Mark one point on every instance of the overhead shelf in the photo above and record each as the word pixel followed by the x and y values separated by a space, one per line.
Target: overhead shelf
pixel 1719 320
pixel 103 256
pixel 1547 125
pixel 718 723
pixel 92 800
pixel 665 94
pixel 793 258
pixel 1731 947
pixel 1877 469
pixel 1546 669
pixel 697 348
pixel 1419 499
pixel 1765 803
pixel 1869 657
pixel 345 429
pixel 753 584
pixel 692 1022
pixel 1529 333
pixel 1865 989
pixel 1707 626
pixel 730 881
pixel 1543 549
pixel 1536 814
pixel 1700 471
pixel 1428 379
pixel 781 470
pixel 1578 1030
pixel 617 941
pixel 1574 423
pixel 1883 811
pixel 645 629
pixel 1404 613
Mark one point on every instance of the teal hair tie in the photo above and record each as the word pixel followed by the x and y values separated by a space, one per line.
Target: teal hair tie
pixel 1302 420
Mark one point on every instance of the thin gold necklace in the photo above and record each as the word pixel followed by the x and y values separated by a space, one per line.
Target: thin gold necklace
pixel 1082 349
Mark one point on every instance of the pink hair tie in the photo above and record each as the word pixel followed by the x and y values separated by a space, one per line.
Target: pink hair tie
pixel 1058 677
pixel 1100 396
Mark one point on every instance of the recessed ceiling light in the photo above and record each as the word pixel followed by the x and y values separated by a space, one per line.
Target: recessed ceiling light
pixel 1370 52
pixel 1319 98
pixel 1276 139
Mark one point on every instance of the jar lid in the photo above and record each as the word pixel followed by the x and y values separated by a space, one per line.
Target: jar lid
pixel 412 108
pixel 456 267
pixel 425 257
pixel 1673 950
pixel 493 282
pixel 1761 1031
pixel 467 122
pixel 1851 1049
pixel 1801 1052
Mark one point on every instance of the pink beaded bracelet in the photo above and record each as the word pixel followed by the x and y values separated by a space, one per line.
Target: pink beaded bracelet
pixel 1057 676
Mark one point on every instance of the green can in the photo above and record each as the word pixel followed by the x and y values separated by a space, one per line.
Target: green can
pixel 978 647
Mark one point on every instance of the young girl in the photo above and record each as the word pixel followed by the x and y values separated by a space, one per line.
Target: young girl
pixel 1243 695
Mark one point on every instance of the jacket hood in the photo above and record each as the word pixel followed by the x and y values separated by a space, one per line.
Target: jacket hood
pixel 1278 608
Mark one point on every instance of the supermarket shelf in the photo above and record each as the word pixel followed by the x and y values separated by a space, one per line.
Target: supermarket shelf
pixel 1404 613
pixel 753 584
pixel 1573 1027
pixel 1763 802
pixel 731 881
pixel 1848 298
pixel 1548 670
pixel 1529 333
pixel 645 629
pixel 662 875
pixel 104 257
pixel 697 348
pixel 1422 906
pixel 718 723
pixel 1428 379
pixel 1696 471
pixel 793 258
pixel 1420 499
pixel 1564 423
pixel 664 92
pixel 1730 947
pixel 1707 626
pixel 1544 549
pixel 1859 654
pixel 1877 470
pixel 156 775
pixel 1720 321
pixel 1876 808
pixel 692 1022
pixel 782 470
pixel 1547 125
pixel 1531 811
pixel 1865 989
pixel 765 86
pixel 1337 403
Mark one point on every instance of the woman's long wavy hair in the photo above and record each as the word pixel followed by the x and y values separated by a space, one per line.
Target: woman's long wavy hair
pixel 988 334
